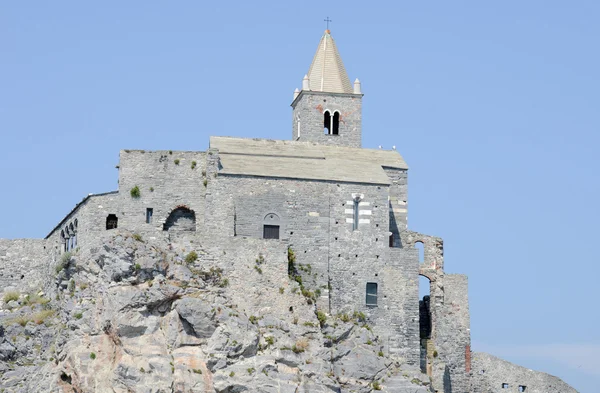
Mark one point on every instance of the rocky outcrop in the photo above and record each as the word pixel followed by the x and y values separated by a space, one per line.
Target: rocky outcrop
pixel 128 314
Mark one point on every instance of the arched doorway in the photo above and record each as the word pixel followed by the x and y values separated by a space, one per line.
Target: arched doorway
pixel 181 219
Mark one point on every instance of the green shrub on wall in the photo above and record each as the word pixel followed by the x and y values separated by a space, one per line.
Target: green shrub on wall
pixel 135 192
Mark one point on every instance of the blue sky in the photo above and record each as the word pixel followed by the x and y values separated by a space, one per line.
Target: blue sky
pixel 494 105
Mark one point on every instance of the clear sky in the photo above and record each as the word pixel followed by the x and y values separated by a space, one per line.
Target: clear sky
pixel 493 104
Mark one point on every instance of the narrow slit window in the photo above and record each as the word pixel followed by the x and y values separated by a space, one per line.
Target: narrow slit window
pixel 271 231
pixel 327 123
pixel 355 221
pixel 149 213
pixel 371 294
pixel 335 124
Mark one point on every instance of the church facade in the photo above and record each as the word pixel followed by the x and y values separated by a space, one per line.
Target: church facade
pixel 341 209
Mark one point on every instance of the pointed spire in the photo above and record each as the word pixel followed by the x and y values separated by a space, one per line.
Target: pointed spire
pixel 296 93
pixel 327 72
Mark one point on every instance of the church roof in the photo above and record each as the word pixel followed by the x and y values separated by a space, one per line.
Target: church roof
pixel 304 160
pixel 327 72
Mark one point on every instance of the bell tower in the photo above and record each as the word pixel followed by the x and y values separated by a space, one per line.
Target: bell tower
pixel 328 108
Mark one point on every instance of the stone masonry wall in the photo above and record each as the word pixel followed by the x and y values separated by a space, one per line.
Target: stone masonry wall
pixel 238 205
pixel 453 336
pixel 23 264
pixel 316 219
pixel 492 374
pixel 308 113
pixel 87 220
pixel 398 204
pixel 166 180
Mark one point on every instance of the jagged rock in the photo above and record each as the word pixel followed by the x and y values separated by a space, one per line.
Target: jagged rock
pixel 198 315
pixel 7 350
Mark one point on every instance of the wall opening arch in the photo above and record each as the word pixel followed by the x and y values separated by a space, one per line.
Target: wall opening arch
pixel 182 218
pixel 112 221
pixel 271 226
pixel 335 123
pixel 327 122
pixel 419 246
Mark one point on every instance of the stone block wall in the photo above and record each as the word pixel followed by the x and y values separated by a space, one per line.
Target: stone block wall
pixel 166 180
pixel 238 205
pixel 492 374
pixel 23 263
pixel 84 222
pixel 308 116
pixel 398 204
pixel 452 338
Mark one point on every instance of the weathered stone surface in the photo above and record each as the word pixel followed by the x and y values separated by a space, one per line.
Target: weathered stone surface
pixel 149 333
pixel 198 315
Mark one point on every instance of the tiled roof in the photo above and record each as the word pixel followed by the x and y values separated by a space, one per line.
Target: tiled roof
pixel 304 160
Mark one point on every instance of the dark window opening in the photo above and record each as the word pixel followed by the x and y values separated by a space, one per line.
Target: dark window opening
pixel 371 294
pixel 505 386
pixel 336 124
pixel 112 222
pixel 391 240
pixel 522 388
pixel 271 231
pixel 327 123
pixel 149 212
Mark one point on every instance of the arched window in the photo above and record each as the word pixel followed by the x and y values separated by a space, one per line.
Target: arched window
pixel 271 226
pixel 63 240
pixel 327 123
pixel 181 219
pixel 335 125
pixel 112 221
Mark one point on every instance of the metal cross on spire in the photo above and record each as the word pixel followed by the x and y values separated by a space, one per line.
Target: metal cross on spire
pixel 327 20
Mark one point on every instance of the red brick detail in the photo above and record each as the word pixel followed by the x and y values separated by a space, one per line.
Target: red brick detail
pixel 468 358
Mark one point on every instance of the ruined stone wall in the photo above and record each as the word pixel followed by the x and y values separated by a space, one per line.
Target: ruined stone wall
pixel 452 336
pixel 308 114
pixel 492 374
pixel 166 180
pixel 23 264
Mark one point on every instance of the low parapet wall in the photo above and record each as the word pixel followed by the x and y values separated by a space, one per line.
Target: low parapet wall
pixel 23 263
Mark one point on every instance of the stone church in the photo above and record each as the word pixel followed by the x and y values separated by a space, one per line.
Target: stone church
pixel 340 207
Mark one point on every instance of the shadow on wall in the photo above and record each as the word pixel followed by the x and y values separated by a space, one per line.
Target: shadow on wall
pixel 447 381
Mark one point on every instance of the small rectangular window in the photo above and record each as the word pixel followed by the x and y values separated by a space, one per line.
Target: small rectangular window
pixel 371 294
pixel 522 388
pixel 271 232
pixel 505 386
pixel 149 212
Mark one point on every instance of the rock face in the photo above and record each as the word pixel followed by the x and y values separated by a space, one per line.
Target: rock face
pixel 147 315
